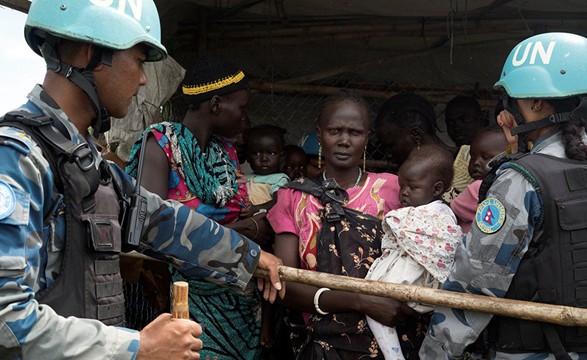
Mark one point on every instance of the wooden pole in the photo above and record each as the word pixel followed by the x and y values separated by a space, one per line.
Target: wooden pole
pixel 179 306
pixel 20 5
pixel 555 314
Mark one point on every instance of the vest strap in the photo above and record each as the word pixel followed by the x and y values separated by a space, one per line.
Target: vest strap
pixel 108 289
pixel 108 311
pixel 105 267
pixel 554 342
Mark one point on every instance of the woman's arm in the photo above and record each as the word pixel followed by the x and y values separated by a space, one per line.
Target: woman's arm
pixel 155 173
pixel 301 297
pixel 256 228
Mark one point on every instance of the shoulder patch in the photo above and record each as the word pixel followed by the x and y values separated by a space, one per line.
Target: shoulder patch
pixel 7 200
pixel 490 215
pixel 22 140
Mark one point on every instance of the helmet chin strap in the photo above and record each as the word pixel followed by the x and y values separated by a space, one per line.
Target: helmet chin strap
pixel 82 77
pixel 523 129
pixel 557 118
pixel 511 106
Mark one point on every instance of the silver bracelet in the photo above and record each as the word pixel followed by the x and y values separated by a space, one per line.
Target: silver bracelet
pixel 317 299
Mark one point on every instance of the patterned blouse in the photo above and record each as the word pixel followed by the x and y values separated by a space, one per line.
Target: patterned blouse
pixel 297 212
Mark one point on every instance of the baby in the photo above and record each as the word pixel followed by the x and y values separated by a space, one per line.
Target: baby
pixel 486 145
pixel 419 239
pixel 296 162
pixel 264 150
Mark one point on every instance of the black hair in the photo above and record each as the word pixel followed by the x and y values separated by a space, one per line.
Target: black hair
pixel 438 160
pixel 292 149
pixel 494 129
pixel 461 100
pixel 572 131
pixel 266 130
pixel 344 95
pixel 406 110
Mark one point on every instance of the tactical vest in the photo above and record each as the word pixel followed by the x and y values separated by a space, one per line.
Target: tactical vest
pixel 554 269
pixel 89 284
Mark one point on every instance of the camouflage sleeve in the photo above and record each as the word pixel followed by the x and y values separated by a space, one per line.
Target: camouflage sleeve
pixel 196 245
pixel 27 329
pixel 485 263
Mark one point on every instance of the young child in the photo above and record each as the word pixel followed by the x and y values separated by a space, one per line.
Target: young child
pixel 264 150
pixel 419 239
pixel 486 145
pixel 296 162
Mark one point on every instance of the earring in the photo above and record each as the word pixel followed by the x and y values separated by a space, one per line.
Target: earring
pixel 364 157
pixel 418 144
pixel 319 156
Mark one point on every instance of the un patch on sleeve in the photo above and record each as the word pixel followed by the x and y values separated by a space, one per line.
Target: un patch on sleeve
pixel 7 200
pixel 490 215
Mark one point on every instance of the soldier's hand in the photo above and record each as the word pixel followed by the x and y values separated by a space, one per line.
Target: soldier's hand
pixel 273 285
pixel 168 338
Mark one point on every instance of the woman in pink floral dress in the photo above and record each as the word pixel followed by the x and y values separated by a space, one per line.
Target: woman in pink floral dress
pixel 332 224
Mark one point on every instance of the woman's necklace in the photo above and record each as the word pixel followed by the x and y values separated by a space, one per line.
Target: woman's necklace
pixel 356 182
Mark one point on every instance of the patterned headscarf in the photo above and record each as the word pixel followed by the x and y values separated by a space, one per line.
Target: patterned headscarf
pixel 208 174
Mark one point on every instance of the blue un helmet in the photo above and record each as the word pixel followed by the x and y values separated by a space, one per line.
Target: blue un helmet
pixel 545 66
pixel 108 25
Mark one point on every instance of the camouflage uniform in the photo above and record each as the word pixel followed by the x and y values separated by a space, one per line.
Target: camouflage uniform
pixel 486 263
pixel 31 253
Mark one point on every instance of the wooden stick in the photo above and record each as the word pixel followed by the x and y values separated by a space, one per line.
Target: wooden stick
pixel 555 314
pixel 179 307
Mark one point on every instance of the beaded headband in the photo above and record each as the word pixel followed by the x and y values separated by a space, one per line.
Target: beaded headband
pixel 211 76
pixel 211 86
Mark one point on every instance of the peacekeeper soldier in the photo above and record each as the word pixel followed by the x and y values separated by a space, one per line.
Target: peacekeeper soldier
pixel 64 212
pixel 529 238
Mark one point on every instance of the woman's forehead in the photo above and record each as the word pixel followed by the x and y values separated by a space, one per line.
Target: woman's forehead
pixel 341 110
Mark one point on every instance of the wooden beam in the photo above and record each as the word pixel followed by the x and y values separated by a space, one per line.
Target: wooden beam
pixel 351 67
pixel 279 88
pixel 20 5
pixel 413 27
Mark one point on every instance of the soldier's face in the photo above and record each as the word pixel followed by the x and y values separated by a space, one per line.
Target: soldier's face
pixel 118 84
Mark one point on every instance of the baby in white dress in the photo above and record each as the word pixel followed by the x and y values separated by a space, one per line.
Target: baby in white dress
pixel 421 238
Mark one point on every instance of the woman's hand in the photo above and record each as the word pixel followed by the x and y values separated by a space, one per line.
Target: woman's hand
pixel 387 311
pixel 247 211
pixel 256 228
pixel 507 122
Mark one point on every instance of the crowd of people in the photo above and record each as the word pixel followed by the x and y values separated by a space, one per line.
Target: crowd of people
pixel 497 214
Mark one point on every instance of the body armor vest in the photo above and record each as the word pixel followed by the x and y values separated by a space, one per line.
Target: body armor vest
pixel 554 269
pixel 89 284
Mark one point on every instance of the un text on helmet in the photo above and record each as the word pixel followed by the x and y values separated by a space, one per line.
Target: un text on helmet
pixel 533 49
pixel 136 6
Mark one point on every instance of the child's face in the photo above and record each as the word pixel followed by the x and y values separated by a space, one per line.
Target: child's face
pixel 485 147
pixel 313 169
pixel 264 153
pixel 462 124
pixel 417 184
pixel 295 165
